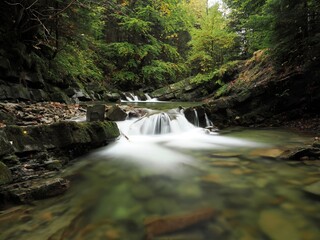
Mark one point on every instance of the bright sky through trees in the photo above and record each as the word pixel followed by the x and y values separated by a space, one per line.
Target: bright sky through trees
pixel 211 2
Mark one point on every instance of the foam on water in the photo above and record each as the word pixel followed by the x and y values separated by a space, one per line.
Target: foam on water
pixel 159 141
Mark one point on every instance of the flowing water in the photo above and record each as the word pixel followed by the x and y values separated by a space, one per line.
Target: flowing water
pixel 165 166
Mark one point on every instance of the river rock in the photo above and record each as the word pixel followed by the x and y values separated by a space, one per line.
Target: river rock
pixel 5 174
pixel 306 153
pixel 277 226
pixel 34 190
pixel 116 114
pixel 269 153
pixel 313 189
pixel 71 136
pixel 95 113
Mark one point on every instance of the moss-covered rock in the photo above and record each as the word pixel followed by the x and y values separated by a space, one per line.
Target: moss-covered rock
pixel 62 135
pixel 5 174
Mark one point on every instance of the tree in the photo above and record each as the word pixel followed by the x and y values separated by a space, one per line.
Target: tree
pixel 211 43
pixel 146 42
pixel 253 23
pixel 296 32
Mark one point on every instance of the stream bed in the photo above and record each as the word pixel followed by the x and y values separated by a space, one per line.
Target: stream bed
pixel 236 174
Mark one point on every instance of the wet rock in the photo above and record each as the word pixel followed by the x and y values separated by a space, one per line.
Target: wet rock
pixel 277 226
pixel 157 226
pixel 5 146
pixel 53 165
pixel 269 153
pixel 5 174
pixel 34 190
pixel 81 95
pixel 225 163
pixel 112 97
pixel 190 115
pixel 116 114
pixel 305 153
pixel 95 113
pixel 313 189
pixel 142 192
pixel 63 135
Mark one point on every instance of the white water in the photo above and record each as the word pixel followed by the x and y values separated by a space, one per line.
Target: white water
pixel 160 142
pixel 209 123
pixel 134 98
pixel 196 118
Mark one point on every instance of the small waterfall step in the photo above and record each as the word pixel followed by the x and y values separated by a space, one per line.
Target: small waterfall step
pixel 130 97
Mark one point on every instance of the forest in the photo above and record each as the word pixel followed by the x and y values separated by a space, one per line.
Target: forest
pixel 159 119
pixel 131 45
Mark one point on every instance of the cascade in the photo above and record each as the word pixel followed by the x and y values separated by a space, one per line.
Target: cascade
pixel 148 96
pixel 160 123
pixel 209 123
pixel 196 118
pixel 130 97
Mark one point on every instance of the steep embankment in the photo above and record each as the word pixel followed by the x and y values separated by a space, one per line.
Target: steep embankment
pixel 260 95
pixel 254 93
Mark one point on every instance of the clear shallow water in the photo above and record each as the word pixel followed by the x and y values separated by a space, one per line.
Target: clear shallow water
pixel 115 189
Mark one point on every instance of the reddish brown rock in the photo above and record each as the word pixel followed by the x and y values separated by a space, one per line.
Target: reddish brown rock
pixel 156 226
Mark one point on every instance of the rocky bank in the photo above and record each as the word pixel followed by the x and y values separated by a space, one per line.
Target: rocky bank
pixel 254 93
pixel 37 141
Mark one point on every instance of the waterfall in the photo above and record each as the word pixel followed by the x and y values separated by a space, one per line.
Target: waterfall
pixel 196 118
pixel 148 97
pixel 156 123
pixel 209 123
pixel 134 97
pixel 130 97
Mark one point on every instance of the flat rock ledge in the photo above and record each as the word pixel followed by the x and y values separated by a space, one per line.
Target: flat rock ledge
pixel 31 156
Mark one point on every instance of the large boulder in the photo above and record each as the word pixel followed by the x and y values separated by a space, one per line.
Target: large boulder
pixel 116 114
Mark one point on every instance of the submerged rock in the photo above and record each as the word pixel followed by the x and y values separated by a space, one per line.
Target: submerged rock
pixel 305 153
pixel 277 226
pixel 157 226
pixel 313 189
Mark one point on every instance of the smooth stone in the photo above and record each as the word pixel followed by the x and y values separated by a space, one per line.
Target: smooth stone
pixel 313 189
pixel 225 164
pixel 189 191
pixel 277 226
pixel 142 192
pixel 272 153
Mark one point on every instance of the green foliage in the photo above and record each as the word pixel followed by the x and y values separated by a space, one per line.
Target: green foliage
pixel 211 43
pixel 219 76
pixel 144 40
pixel 134 25
pixel 76 63
pixel 252 21
pixel 161 72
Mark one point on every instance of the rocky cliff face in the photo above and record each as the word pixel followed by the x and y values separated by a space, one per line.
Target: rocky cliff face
pixel 24 76
pixel 255 94
pixel 260 95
